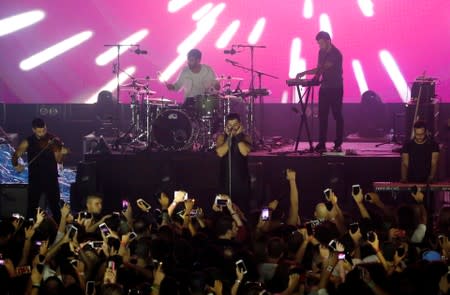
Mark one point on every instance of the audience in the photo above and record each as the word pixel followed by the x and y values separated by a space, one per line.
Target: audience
pixel 179 249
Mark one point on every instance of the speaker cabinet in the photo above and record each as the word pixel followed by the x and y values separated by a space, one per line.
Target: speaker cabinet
pixel 13 199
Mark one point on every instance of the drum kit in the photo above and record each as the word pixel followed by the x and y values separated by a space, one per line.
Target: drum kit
pixel 161 124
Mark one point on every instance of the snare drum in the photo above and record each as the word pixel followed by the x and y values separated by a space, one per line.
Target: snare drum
pixel 174 130
pixel 203 106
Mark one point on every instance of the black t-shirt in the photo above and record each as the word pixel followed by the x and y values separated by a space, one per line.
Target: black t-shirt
pixel 419 159
pixel 44 168
pixel 331 77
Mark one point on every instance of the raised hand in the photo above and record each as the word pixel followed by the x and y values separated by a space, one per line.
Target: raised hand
pixel 290 174
pixel 418 196
pixel 359 197
pixel 179 196
pixel 40 215
pixel 158 275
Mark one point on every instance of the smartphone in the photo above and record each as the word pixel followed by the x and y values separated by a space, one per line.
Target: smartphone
pixel 400 251
pixel 72 231
pixel 309 228
pixel 85 215
pixel 17 216
pixel 265 214
pixel 341 256
pixel 441 238
pixel 96 244
pixel 74 262
pixel 111 265
pixel 90 287
pixel 327 193
pixel 143 202
pixel 125 205
pixel 414 189
pixel 193 212
pixel 367 197
pixel 38 243
pixel 240 263
pixel 61 203
pixel 186 196
pixel 220 201
pixel 371 236
pixel 132 236
pixel 356 188
pixel 105 229
pixel 354 227
pixel 333 245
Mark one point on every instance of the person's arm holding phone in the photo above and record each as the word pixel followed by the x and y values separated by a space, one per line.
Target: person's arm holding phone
pixel 420 231
pixel 29 232
pixel 358 196
pixel 239 277
pixel 178 197
pixel 233 212
pixel 293 217
pixel 337 213
pixel 375 243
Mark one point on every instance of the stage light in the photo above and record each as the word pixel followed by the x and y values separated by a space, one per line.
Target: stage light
pixel 175 5
pixel 297 64
pixel 325 24
pixel 395 74
pixel 226 36
pixel 202 11
pixel 111 53
pixel 308 9
pixel 257 31
pixel 366 7
pixel 17 22
pixel 55 50
pixel 359 75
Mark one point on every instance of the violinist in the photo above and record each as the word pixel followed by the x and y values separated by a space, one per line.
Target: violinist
pixel 44 152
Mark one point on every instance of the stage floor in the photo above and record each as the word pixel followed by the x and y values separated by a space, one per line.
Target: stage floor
pixel 134 175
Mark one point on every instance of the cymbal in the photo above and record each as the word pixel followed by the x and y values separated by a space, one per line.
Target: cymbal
pixel 138 91
pixel 159 100
pixel 143 80
pixel 223 77
pixel 133 84
pixel 230 97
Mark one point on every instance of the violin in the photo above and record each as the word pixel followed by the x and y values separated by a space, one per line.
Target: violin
pixel 54 144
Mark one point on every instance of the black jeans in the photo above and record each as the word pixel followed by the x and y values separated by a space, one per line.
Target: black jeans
pixel 331 98
pixel 51 191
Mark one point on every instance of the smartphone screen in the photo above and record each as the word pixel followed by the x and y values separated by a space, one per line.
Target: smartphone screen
pixel 97 244
pixel 241 265
pixel 367 197
pixel 332 245
pixel 72 231
pixel 104 228
pixel 111 265
pixel 220 202
pixel 143 202
pixel 327 193
pixel 341 256
pixel 400 251
pixel 265 214
pixel 414 189
pixel 125 205
pixel 356 189
pixel 309 228
pixel 371 236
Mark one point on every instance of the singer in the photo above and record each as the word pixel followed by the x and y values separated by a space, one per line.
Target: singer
pixel 44 151
pixel 196 78
pixel 233 147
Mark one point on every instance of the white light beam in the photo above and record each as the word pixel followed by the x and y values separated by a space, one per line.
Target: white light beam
pixel 17 22
pixel 395 74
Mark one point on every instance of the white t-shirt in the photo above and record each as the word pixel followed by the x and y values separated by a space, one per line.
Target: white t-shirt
pixel 195 84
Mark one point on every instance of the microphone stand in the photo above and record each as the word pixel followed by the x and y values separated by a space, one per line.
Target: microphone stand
pixel 229 143
pixel 252 70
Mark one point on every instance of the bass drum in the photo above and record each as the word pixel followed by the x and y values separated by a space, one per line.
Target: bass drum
pixel 174 130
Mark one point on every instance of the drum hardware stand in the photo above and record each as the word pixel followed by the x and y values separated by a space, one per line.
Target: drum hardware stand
pixel 135 109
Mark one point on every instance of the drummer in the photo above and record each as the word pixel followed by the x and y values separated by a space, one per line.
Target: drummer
pixel 196 79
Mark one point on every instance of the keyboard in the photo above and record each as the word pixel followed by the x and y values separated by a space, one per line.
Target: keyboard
pixel 400 186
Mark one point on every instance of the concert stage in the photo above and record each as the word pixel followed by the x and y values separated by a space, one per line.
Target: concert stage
pixel 140 175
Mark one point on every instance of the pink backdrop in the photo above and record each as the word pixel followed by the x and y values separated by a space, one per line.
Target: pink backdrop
pixel 414 35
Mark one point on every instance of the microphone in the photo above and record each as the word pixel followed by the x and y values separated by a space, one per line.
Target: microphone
pixel 231 52
pixel 140 51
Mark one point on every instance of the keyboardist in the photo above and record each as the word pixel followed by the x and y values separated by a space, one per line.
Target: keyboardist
pixel 419 156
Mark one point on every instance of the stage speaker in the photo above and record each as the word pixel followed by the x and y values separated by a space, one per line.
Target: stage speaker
pixel 256 170
pixel 13 199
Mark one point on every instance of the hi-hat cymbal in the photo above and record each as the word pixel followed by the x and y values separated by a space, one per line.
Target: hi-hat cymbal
pixel 223 77
pixel 133 84
pixel 155 100
pixel 137 90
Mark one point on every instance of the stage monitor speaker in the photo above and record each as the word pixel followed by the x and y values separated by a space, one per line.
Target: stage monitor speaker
pixel 13 199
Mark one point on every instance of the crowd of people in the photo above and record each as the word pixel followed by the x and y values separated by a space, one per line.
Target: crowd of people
pixel 173 247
